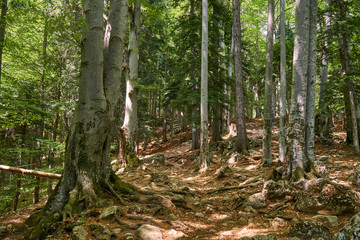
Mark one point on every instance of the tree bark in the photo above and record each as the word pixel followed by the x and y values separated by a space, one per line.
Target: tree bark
pixel 299 85
pixel 129 157
pixel 322 127
pixel 204 145
pixel 268 106
pixel 282 130
pixel 310 93
pixel 241 138
pixel 87 164
pixel 2 32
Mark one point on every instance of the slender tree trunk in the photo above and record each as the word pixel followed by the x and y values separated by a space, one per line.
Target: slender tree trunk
pixel 268 116
pixel 227 87
pixel 2 32
pixel 204 145
pixel 241 138
pixel 128 128
pixel 216 123
pixel 322 122
pixel 282 130
pixel 164 140
pixel 311 81
pixel 171 125
pixel 297 156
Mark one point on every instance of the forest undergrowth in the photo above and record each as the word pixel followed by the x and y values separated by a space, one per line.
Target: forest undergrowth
pixel 228 201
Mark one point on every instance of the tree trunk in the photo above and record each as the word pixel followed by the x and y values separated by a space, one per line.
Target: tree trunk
pixel 311 81
pixel 216 123
pixel 204 145
pixel 268 115
pixel 164 140
pixel 322 122
pixel 282 127
pixel 2 32
pixel 241 138
pixel 129 157
pixel 299 85
pixel 87 164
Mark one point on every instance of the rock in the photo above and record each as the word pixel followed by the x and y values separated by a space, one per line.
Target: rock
pixel 225 172
pixel 308 229
pixel 212 231
pixel 307 203
pixel 356 179
pixel 227 197
pixel 351 230
pixel 173 234
pixel 256 200
pixel 271 236
pixel 199 215
pixel 79 233
pixel 149 232
pixel 155 158
pixel 274 190
pixel 3 230
pixel 314 185
pixel 329 221
pixel 110 212
pixel 178 225
pixel 278 223
pixel 100 232
pixel 172 217
pixel 320 167
pixel 336 199
pixel 159 177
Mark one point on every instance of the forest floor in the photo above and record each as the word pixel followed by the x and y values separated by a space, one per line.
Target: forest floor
pixel 186 204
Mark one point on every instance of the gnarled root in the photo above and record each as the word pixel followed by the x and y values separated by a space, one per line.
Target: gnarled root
pixel 47 220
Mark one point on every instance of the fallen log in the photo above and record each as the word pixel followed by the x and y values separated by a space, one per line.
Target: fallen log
pixel 30 172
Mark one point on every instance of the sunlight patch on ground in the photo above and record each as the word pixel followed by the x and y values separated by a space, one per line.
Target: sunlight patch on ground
pixel 198 225
pixel 218 216
pixel 251 167
pixel 237 233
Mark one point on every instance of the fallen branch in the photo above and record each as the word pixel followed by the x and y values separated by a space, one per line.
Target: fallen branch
pixel 223 189
pixel 30 172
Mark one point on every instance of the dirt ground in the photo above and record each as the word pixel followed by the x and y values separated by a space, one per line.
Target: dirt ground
pixel 188 205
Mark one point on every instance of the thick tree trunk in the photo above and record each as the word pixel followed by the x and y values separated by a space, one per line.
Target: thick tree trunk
pixel 87 164
pixel 2 32
pixel 241 138
pixel 268 106
pixel 311 81
pixel 282 130
pixel 297 156
pixel 129 157
pixel 204 145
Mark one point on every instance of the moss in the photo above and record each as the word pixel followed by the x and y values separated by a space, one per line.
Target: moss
pixel 45 226
pixel 132 161
pixel 297 174
pixel 122 187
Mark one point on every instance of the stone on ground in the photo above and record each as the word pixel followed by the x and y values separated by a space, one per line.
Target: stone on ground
pixel 110 212
pixel 307 203
pixel 256 200
pixel 275 190
pixel 156 158
pixel 149 232
pixel 337 199
pixel 308 229
pixel 329 221
pixel 351 230
pixel 79 233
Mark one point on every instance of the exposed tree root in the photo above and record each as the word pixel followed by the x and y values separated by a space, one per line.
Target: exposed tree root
pixel 47 221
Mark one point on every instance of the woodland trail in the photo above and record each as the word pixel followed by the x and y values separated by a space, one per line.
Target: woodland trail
pixel 187 205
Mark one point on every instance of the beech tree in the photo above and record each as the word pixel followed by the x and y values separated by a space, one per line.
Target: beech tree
pixel 204 145
pixel 127 131
pixel 87 167
pixel 268 114
pixel 297 157
pixel 282 124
